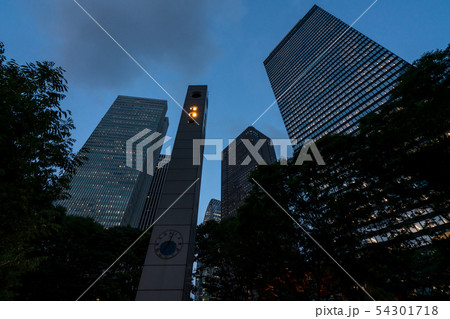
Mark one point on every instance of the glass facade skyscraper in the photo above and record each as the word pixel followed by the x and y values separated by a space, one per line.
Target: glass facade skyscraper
pixel 213 211
pixel 235 183
pixel 353 75
pixel 104 188
pixel 326 76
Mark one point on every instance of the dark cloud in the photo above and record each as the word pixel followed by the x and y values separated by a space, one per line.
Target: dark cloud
pixel 160 34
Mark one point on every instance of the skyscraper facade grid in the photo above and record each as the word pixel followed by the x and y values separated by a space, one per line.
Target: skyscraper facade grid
pixel 353 75
pixel 234 178
pixel 213 211
pixel 326 76
pixel 104 188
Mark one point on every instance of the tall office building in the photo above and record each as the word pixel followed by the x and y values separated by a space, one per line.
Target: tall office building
pixel 154 193
pixel 213 211
pixel 201 294
pixel 235 183
pixel 104 188
pixel 326 75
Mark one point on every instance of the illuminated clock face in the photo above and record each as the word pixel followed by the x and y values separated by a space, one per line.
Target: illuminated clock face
pixel 168 244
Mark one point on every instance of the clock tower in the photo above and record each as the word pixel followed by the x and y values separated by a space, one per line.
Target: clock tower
pixel 167 270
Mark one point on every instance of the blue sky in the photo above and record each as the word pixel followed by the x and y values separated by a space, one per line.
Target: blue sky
pixel 219 43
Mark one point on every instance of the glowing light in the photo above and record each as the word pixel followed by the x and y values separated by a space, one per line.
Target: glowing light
pixel 193 108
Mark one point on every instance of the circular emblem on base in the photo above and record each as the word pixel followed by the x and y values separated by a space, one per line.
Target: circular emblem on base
pixel 168 244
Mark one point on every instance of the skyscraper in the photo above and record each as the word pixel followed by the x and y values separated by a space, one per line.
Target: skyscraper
pixel 154 193
pixel 326 75
pixel 104 188
pixel 235 184
pixel 213 211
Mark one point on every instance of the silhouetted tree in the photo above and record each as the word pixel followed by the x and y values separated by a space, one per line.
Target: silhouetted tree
pixel 376 185
pixel 75 255
pixel 36 160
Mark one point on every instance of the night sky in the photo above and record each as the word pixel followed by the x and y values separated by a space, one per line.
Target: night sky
pixel 219 43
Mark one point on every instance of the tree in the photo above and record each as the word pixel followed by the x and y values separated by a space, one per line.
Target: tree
pixel 75 255
pixel 376 186
pixel 37 161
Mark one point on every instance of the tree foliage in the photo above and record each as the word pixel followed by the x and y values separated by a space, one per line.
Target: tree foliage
pixel 44 254
pixel 75 255
pixel 383 193
pixel 36 163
